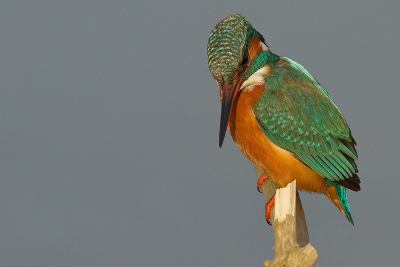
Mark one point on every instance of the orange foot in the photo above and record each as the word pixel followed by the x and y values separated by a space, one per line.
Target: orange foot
pixel 260 181
pixel 268 207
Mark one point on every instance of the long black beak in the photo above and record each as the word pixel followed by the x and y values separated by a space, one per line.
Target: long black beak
pixel 229 93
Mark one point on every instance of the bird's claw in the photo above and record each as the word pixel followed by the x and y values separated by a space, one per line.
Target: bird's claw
pixel 261 181
pixel 268 207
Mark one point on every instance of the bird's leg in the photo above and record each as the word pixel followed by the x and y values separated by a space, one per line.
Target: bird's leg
pixel 260 181
pixel 270 202
pixel 268 208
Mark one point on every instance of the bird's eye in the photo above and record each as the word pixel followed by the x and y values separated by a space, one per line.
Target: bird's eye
pixel 245 58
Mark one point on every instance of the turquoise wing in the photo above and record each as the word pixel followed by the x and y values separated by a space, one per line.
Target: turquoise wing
pixel 297 114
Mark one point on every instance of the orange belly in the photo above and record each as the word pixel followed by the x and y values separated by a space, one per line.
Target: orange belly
pixel 279 164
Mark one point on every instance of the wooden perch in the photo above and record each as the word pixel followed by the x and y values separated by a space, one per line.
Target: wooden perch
pixel 292 245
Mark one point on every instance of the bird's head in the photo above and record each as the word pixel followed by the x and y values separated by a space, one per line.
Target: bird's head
pixel 232 46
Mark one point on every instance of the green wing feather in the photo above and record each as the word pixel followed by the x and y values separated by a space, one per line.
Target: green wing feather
pixel 297 114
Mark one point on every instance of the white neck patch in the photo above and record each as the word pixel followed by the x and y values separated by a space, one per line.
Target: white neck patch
pixel 257 78
pixel 264 47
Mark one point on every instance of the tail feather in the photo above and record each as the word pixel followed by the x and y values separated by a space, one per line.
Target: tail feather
pixel 342 195
pixel 338 195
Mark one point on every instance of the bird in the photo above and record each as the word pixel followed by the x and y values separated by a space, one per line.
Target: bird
pixel 280 117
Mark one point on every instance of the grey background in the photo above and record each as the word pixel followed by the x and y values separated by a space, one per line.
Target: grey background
pixel 109 133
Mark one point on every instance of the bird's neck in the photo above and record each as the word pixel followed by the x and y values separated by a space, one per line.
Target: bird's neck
pixel 263 58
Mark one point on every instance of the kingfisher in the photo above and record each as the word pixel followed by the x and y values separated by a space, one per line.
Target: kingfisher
pixel 280 117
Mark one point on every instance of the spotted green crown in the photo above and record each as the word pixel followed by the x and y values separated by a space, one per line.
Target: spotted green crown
pixel 227 43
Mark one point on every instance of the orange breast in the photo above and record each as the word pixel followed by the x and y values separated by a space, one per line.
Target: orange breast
pixel 279 164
